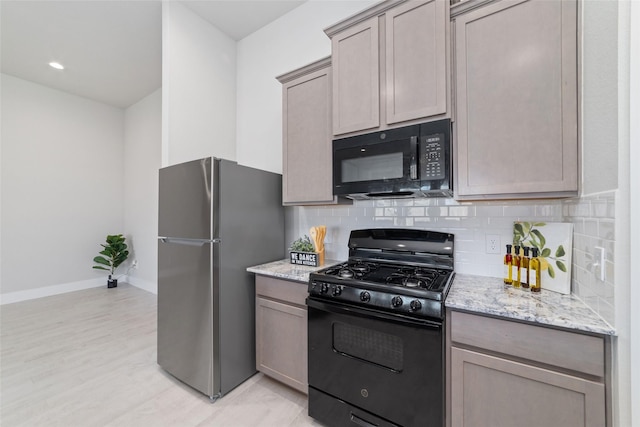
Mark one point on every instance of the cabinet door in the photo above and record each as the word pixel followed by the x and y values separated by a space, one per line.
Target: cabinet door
pixel 281 342
pixel 356 86
pixel 490 391
pixel 516 100
pixel 306 135
pixel 416 69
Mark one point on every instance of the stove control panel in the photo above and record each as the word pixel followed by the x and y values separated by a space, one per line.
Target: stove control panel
pixel 401 304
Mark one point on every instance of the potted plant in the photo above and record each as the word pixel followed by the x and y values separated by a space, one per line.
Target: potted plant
pixel 303 252
pixel 114 253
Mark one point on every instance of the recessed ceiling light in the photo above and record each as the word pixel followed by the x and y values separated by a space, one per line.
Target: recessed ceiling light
pixel 56 65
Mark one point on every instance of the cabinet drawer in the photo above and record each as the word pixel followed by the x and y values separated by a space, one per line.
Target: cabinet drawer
pixel 564 349
pixel 284 290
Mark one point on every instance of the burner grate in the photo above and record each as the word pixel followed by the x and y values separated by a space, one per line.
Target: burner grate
pixel 392 275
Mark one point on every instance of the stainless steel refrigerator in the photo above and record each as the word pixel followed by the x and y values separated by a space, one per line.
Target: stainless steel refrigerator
pixel 216 218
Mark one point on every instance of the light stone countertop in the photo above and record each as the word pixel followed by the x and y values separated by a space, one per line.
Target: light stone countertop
pixel 484 295
pixel 489 295
pixel 283 269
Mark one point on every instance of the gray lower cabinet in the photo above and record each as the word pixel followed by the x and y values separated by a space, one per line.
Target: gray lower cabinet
pixel 307 177
pixel 281 331
pixel 516 98
pixel 504 373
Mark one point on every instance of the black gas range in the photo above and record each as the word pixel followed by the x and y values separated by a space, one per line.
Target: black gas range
pixel 376 330
pixel 408 272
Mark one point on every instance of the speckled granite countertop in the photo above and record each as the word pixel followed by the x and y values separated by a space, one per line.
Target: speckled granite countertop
pixel 283 269
pixel 485 295
pixel 489 295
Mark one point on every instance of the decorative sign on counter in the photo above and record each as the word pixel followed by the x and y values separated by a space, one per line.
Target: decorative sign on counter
pixel 554 243
pixel 304 258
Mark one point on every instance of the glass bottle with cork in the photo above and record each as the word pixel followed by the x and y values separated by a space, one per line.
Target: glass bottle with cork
pixel 534 267
pixel 508 259
pixel 516 262
pixel 525 261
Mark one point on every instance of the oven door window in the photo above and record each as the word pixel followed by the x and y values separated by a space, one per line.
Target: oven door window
pixel 369 345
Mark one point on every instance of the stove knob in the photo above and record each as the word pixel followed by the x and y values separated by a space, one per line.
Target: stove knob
pixel 336 291
pixel 396 301
pixel 416 305
pixel 324 288
pixel 365 296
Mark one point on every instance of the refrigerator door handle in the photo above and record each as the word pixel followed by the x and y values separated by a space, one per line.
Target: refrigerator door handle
pixel 190 242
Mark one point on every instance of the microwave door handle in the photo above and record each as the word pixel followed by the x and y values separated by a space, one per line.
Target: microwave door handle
pixel 413 167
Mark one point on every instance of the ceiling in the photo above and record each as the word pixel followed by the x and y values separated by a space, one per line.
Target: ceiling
pixel 111 50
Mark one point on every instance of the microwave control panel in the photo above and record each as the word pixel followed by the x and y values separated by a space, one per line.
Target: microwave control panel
pixel 432 157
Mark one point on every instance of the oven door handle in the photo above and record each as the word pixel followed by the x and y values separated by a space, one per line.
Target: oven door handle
pixel 339 308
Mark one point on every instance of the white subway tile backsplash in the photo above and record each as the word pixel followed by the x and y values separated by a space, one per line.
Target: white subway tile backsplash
pixel 391 211
pixel 594 226
pixel 462 211
pixel 424 222
pixel 402 202
pixel 519 212
pixel 606 229
pixel 548 211
pixel 415 211
pixel 437 211
pixel 488 211
pixel 593 218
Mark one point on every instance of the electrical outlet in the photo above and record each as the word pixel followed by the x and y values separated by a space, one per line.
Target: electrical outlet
pixel 492 243
pixel 134 264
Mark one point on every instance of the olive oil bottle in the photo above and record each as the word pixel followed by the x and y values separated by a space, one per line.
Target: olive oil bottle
pixel 534 267
pixel 526 261
pixel 516 261
pixel 508 258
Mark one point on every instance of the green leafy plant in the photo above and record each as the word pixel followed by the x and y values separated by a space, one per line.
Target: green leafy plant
pixel 526 234
pixel 114 253
pixel 303 244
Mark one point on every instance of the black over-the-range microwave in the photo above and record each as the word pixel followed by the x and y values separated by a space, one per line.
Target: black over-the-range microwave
pixel 412 161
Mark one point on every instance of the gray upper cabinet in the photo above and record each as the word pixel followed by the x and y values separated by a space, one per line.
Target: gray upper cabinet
pixel 390 65
pixel 356 78
pixel 416 60
pixel 306 135
pixel 516 99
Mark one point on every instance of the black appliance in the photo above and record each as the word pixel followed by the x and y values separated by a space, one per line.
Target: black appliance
pixel 376 330
pixel 412 161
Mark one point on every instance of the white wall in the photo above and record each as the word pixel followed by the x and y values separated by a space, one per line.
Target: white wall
pixel 291 41
pixel 142 159
pixel 634 211
pixel 61 187
pixel 199 88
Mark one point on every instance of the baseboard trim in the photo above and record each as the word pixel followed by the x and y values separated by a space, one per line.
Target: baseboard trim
pixel 142 284
pixel 46 291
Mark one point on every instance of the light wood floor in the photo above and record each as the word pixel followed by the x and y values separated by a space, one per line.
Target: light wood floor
pixel 88 358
